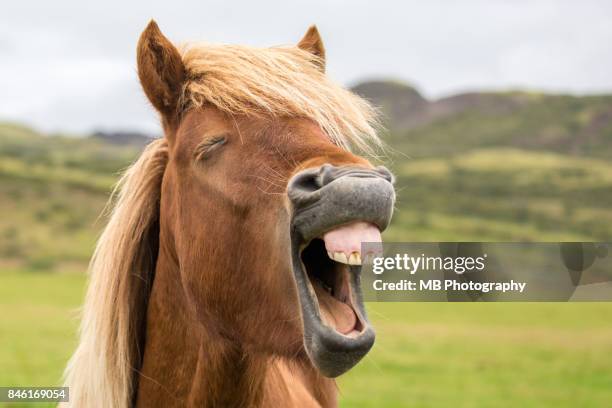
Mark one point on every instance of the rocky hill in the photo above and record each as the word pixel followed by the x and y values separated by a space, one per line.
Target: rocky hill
pixel 575 125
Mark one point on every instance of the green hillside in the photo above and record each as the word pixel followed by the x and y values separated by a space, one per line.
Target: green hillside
pixel 490 166
pixel 508 166
pixel 53 190
pixel 565 124
pixel 503 194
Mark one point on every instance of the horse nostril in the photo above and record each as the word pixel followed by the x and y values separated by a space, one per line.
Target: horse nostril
pixel 303 187
pixel 307 182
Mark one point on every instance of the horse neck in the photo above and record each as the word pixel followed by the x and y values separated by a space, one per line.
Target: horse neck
pixel 185 360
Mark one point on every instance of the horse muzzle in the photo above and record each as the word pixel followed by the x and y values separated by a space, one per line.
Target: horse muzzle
pixel 335 210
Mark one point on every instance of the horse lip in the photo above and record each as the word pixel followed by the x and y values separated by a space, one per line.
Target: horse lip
pixel 330 351
pixel 347 199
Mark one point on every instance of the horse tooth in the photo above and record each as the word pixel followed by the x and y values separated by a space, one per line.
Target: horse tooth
pixel 330 255
pixel 354 259
pixel 340 257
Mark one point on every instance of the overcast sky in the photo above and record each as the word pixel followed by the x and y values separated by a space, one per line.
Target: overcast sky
pixel 68 65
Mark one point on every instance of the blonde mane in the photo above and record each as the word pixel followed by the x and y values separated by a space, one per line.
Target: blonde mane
pixel 101 371
pixel 238 80
pixel 277 81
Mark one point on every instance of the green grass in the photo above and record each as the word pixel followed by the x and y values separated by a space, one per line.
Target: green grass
pixel 38 321
pixel 502 355
pixel 38 325
pixel 426 354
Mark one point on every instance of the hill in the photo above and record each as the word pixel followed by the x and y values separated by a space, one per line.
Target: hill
pixel 137 139
pixel 572 125
pixel 509 166
pixel 53 190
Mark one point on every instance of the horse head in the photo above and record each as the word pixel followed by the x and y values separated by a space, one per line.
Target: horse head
pixel 263 207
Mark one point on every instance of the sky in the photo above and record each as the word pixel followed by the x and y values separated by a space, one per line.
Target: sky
pixel 69 65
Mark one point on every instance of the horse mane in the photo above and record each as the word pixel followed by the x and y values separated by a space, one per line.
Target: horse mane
pixel 101 371
pixel 277 81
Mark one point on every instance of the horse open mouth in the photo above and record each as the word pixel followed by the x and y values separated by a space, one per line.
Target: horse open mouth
pixel 337 333
pixel 335 210
pixel 328 262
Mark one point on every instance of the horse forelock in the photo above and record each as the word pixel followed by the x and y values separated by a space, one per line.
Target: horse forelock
pixel 277 81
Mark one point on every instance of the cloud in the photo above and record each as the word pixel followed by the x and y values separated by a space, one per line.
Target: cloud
pixel 69 65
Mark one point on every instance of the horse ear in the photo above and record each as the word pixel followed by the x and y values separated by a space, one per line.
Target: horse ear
pixel 160 70
pixel 312 43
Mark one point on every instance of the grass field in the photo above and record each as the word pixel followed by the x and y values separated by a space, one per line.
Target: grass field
pixel 486 355
pixel 426 354
pixel 37 326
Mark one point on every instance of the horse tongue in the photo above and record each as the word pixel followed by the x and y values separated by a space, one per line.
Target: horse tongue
pixel 348 238
pixel 336 313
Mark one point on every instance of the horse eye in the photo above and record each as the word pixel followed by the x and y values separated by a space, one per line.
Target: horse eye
pixel 205 148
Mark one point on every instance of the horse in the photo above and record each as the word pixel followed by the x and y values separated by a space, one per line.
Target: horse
pixel 228 274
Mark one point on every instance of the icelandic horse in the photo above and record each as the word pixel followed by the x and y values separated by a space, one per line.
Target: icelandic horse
pixel 228 274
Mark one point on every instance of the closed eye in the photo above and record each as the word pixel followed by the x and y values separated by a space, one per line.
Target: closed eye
pixel 204 149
